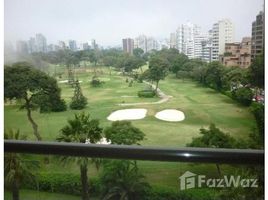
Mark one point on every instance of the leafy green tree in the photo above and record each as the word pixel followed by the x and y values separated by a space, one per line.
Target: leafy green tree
pixel 214 75
pixel 178 62
pixel 121 179
pixel 158 69
pixel 234 77
pixel 17 168
pixel 79 101
pixel 22 81
pixel 123 132
pixel 215 138
pixel 138 52
pixel 183 75
pixel 256 71
pixel 80 129
pixel 96 82
pixel 243 95
pixel 258 134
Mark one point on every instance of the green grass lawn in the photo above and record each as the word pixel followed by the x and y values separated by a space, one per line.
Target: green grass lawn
pixel 35 195
pixel 200 105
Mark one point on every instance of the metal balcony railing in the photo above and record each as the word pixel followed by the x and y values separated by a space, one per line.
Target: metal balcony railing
pixel 135 152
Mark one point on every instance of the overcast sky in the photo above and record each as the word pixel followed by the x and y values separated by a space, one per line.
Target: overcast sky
pixel 108 21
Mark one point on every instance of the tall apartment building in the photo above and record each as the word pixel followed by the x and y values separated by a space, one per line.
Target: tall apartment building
pixel 189 40
pixel 141 42
pixel 22 47
pixel 32 45
pixel 72 45
pixel 94 44
pixel 206 45
pixel 41 43
pixel 146 43
pixel 172 41
pixel 237 54
pixel 257 35
pixel 222 32
pixel 62 45
pixel 151 44
pixel 128 45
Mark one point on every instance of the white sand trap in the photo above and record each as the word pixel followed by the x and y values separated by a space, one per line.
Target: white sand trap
pixel 127 114
pixel 65 81
pixel 170 115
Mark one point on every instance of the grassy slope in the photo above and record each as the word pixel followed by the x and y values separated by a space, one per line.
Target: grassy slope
pixel 201 106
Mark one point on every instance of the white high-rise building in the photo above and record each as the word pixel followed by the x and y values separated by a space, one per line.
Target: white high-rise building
pixel 141 42
pixel 146 43
pixel 172 42
pixel 222 32
pixel 41 43
pixel 188 40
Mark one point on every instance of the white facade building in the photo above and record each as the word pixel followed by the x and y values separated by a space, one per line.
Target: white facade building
pixel 41 43
pixel 222 32
pixel 146 43
pixel 188 40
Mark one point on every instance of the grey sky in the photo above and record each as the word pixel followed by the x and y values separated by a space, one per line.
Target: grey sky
pixel 108 21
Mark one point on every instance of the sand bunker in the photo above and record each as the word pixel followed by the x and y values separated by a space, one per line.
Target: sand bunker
pixel 127 114
pixel 66 81
pixel 170 115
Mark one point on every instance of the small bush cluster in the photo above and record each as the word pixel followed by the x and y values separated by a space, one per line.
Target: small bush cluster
pixel 95 82
pixel 61 183
pixel 146 93
pixel 243 95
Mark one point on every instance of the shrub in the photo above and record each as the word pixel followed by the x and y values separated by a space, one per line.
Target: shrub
pixel 146 93
pixel 163 193
pixel 62 183
pixel 95 82
pixel 78 101
pixel 243 95
pixel 130 83
pixel 140 79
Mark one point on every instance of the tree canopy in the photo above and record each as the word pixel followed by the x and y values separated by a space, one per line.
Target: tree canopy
pixel 123 132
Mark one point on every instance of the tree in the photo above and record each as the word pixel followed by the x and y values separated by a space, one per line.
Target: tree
pixel 258 135
pixel 79 101
pixel 80 129
pixel 178 62
pixel 22 81
pixel 215 138
pixel 121 179
pixel 17 168
pixel 214 76
pixel 123 132
pixel 138 52
pixel 158 69
pixel 256 71
pixel 243 95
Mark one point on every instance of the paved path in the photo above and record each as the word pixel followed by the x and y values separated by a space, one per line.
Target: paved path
pixel 163 98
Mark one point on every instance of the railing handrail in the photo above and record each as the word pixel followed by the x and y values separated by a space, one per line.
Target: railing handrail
pixel 136 152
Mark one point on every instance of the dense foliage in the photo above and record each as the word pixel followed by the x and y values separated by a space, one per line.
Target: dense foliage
pixel 123 132
pixel 35 88
pixel 79 101
pixel 146 93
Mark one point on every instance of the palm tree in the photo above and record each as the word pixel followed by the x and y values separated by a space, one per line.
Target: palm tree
pixel 121 180
pixel 80 129
pixel 17 168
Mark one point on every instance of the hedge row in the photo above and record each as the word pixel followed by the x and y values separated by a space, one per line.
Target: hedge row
pixel 146 93
pixel 70 184
pixel 61 183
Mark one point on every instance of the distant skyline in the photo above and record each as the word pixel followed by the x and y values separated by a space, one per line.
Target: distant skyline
pixel 108 22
